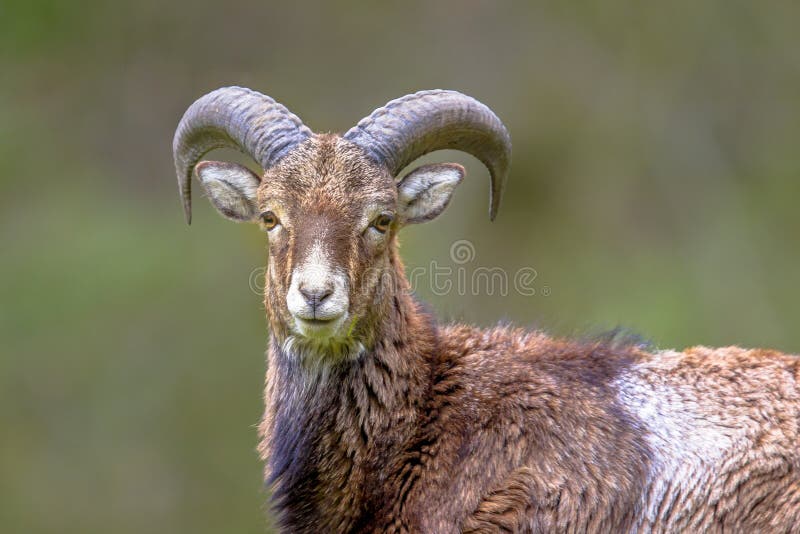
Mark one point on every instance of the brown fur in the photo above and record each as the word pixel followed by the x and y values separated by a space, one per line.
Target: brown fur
pixel 447 429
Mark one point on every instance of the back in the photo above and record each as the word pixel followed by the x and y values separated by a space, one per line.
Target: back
pixel 566 435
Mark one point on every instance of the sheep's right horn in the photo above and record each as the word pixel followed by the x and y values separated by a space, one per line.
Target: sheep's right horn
pixel 409 127
pixel 233 117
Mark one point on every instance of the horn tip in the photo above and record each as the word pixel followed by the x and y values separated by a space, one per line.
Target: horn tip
pixel 494 204
pixel 187 212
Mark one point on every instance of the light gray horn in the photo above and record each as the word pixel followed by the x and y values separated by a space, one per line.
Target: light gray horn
pixel 411 126
pixel 233 117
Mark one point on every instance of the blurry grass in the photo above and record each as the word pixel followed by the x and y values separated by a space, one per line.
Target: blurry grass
pixel 130 374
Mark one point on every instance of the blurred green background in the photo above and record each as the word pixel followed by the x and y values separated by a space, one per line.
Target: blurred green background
pixel 655 184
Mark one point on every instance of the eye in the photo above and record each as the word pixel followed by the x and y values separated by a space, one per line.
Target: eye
pixel 269 220
pixel 382 222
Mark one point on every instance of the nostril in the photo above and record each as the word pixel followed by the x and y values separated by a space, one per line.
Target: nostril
pixel 315 296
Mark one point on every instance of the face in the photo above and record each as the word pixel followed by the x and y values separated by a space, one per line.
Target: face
pixel 331 216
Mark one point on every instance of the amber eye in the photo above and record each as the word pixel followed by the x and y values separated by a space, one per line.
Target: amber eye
pixel 270 220
pixel 383 222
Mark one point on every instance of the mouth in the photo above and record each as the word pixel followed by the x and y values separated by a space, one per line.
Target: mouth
pixel 315 321
pixel 316 327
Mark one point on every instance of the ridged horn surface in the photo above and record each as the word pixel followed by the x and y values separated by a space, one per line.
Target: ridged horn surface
pixel 238 118
pixel 416 124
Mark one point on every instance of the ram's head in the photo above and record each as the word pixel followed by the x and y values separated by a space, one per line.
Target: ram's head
pixel 332 205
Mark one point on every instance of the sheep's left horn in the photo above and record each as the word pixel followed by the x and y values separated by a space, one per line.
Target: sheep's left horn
pixel 411 126
pixel 233 117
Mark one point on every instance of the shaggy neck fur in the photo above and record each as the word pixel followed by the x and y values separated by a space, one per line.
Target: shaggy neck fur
pixel 331 429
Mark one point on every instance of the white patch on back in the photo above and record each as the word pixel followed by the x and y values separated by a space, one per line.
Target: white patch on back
pixel 685 443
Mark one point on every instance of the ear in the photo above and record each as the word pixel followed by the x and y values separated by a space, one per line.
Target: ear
pixel 425 192
pixel 231 188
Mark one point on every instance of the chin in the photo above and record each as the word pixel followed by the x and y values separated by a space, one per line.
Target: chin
pixel 322 343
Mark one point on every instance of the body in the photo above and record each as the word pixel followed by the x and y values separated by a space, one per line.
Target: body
pixel 378 419
pixel 490 431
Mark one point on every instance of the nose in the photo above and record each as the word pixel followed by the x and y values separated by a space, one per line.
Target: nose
pixel 315 296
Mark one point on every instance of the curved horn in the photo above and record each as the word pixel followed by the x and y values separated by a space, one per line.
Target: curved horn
pixel 411 126
pixel 233 117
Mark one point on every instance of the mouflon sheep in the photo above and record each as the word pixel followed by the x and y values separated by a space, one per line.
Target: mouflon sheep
pixel 379 419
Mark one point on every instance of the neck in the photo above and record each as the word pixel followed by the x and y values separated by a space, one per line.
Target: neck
pixel 329 430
